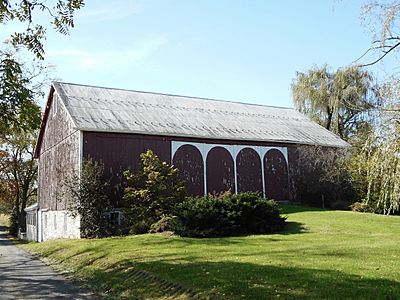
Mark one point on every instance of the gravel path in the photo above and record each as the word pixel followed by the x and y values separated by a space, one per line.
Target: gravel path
pixel 24 277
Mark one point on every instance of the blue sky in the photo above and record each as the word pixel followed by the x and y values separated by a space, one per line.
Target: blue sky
pixel 247 51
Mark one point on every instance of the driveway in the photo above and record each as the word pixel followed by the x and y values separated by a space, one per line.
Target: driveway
pixel 25 277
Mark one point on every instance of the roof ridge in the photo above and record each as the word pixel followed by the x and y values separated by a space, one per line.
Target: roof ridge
pixel 174 95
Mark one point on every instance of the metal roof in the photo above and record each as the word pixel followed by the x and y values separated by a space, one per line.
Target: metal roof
pixel 125 111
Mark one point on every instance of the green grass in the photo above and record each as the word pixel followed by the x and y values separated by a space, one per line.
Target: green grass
pixel 323 254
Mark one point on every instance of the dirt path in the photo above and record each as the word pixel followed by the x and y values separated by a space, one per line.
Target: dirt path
pixel 25 277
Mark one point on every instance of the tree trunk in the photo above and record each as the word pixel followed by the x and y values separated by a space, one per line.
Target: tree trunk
pixel 22 213
pixel 14 222
pixel 329 119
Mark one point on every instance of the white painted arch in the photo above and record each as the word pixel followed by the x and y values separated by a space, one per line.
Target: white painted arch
pixel 234 150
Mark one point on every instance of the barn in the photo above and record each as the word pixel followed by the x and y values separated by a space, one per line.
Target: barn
pixel 217 145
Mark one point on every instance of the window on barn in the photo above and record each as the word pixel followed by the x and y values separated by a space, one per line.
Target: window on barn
pixel 31 219
pixel 114 217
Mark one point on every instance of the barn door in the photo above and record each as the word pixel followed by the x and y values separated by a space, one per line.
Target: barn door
pixel 220 172
pixel 276 175
pixel 248 165
pixel 189 161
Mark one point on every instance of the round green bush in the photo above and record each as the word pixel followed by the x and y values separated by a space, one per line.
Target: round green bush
pixel 245 213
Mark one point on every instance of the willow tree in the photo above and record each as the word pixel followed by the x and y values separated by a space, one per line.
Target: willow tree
pixel 339 100
pixel 375 169
pixel 378 160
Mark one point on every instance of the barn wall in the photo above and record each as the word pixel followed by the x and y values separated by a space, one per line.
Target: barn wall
pixel 293 159
pixel 31 233
pixel 306 171
pixel 59 224
pixel 58 158
pixel 120 152
pixel 201 172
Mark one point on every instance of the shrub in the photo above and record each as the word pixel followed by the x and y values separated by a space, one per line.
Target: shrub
pixel 152 193
pixel 166 223
pixel 245 213
pixel 360 207
pixel 90 193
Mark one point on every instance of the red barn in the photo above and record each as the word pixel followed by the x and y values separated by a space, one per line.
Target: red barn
pixel 217 145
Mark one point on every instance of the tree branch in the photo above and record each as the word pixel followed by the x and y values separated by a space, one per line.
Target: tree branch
pixel 382 56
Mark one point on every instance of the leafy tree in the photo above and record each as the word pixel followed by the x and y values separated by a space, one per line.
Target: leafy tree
pixel 17 93
pixel 375 154
pixel 18 172
pixel 16 96
pixel 336 100
pixel 90 199
pixel 375 163
pixel 18 134
pixel 153 192
pixel 7 192
pixel 376 168
pixel 19 86
pixel 61 19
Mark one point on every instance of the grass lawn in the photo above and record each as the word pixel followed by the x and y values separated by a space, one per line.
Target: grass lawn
pixel 323 254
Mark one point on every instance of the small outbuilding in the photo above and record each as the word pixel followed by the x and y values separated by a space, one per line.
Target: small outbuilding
pixel 217 145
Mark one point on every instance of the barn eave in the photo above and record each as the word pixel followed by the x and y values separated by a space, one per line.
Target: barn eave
pixel 195 137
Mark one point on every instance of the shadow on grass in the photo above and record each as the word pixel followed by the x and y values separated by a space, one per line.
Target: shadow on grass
pixel 293 228
pixel 290 209
pixel 235 280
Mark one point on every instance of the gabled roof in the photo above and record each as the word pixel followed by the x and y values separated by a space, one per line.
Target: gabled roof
pixel 125 111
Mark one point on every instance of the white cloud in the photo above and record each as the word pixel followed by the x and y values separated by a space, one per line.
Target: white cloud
pixel 85 60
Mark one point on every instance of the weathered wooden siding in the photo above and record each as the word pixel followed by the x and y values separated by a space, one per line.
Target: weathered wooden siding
pixel 58 158
pixel 293 158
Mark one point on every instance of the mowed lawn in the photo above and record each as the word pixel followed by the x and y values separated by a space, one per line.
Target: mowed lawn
pixel 323 254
